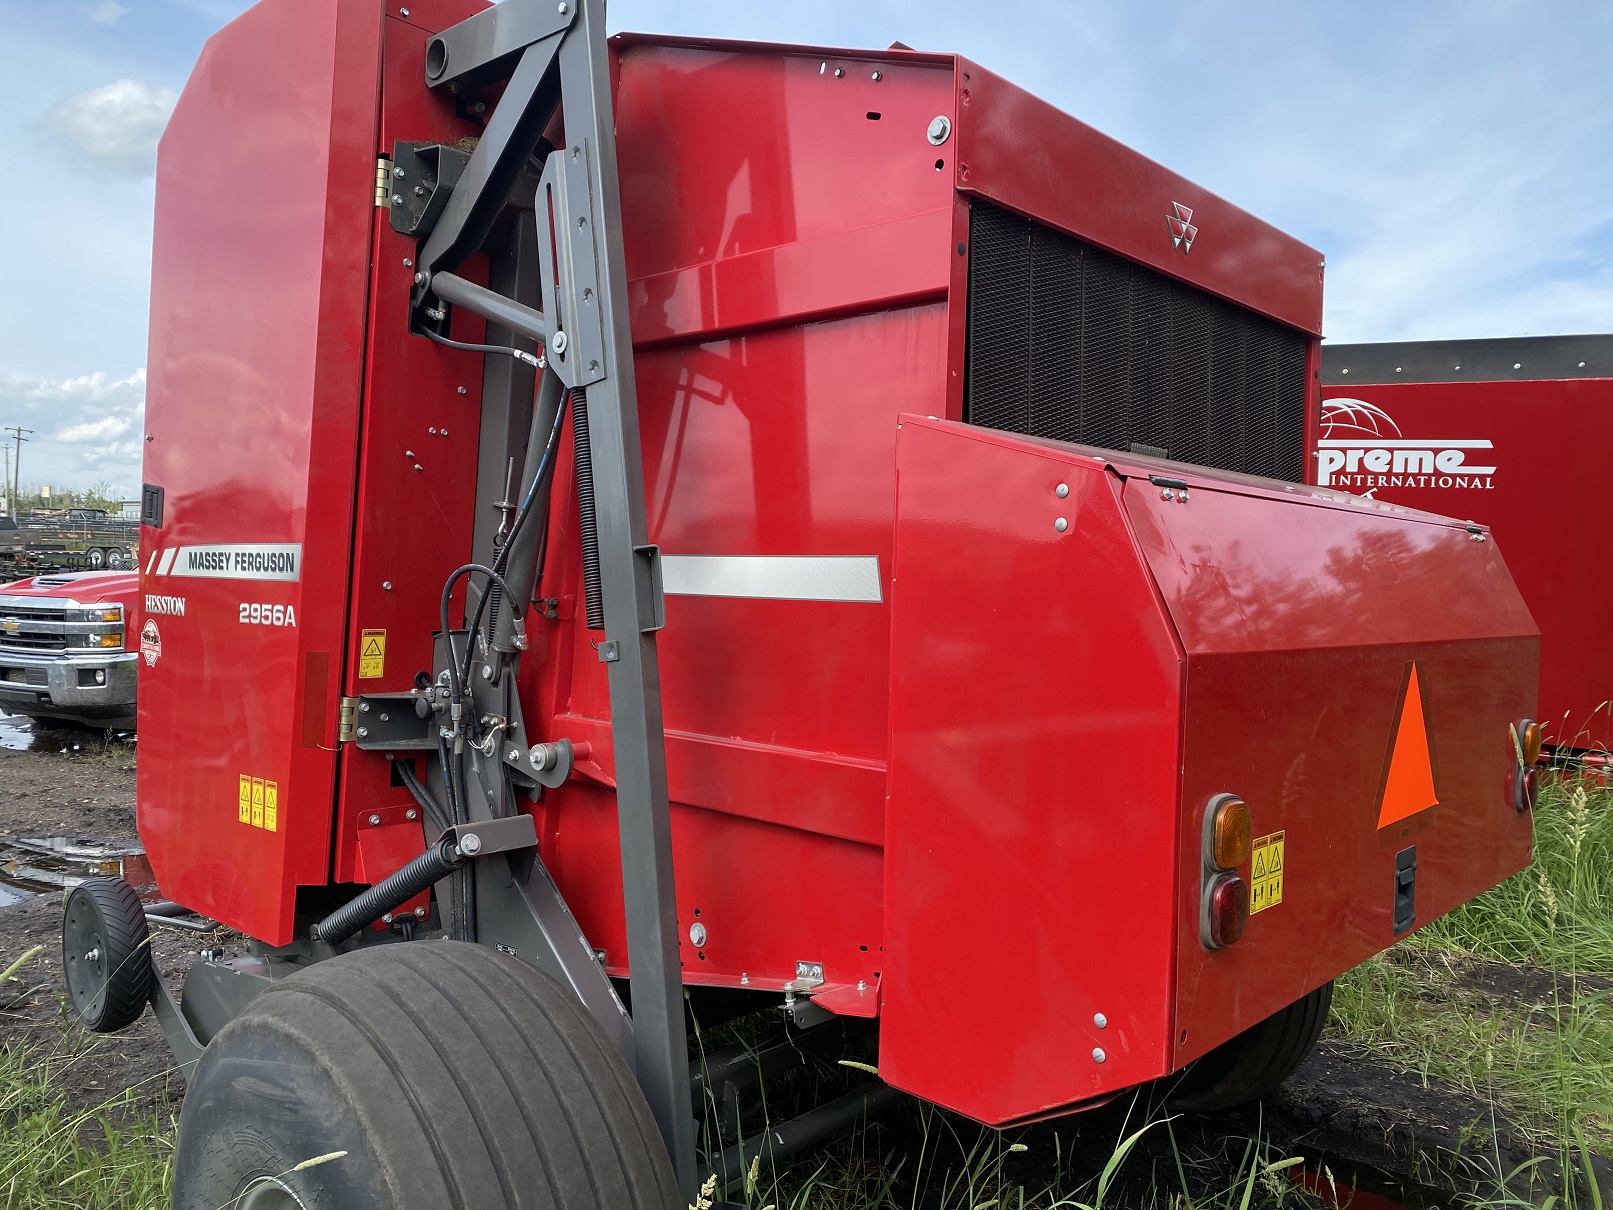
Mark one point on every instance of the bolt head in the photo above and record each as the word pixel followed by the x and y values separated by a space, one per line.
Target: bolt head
pixel 1061 525
pixel 398 172
pixel 513 754
pixel 1062 490
pixel 470 845
pixel 697 935
pixel 1166 493
pixel 1097 1054
pixel 1101 1021
pixel 487 672
pixel 878 76
pixel 411 813
pixel 387 919
pixel 559 343
pixel 940 129
pixel 564 8
pixel 407 263
pixel 375 821
pixel 461 391
pixel 419 279
pixel 1181 496
pixel 386 585
pixel 839 71
pixel 862 985
pixel 420 912
pixel 397 199
pixel 363 731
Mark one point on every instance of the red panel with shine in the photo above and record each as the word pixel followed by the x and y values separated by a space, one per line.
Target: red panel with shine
pixel 1299 622
pixel 1029 861
pixel 258 318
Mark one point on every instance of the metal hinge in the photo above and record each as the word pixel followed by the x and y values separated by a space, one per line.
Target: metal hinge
pixel 383 181
pixel 346 720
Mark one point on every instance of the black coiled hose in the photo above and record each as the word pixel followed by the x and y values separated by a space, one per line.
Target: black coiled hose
pixel 587 525
pixel 402 885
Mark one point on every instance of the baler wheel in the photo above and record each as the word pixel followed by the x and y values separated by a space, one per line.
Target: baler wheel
pixel 1256 1062
pixel 106 954
pixel 429 1075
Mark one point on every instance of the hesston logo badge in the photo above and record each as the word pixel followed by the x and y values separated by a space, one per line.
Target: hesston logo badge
pixel 1408 782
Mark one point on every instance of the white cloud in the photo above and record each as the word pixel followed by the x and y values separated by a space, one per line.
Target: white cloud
pixel 85 427
pixel 103 429
pixel 105 12
pixel 112 131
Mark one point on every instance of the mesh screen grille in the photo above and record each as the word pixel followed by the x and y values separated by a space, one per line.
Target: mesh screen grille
pixel 1074 343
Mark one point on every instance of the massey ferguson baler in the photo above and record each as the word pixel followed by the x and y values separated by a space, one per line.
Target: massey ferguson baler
pixel 719 528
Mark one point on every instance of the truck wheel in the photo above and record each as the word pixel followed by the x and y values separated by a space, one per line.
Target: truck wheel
pixel 95 556
pixel 419 1076
pixel 115 560
pixel 1254 1063
pixel 106 954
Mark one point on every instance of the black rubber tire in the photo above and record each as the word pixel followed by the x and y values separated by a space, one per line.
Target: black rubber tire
pixel 1256 1062
pixel 95 557
pixel 452 1076
pixel 106 954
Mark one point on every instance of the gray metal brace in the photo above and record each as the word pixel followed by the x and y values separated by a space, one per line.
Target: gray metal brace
pixel 549 52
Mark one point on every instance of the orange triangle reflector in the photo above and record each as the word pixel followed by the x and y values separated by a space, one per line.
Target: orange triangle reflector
pixel 1409 787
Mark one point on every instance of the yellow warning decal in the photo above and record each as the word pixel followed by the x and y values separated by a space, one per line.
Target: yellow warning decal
pixel 259 805
pixel 1266 878
pixel 371 654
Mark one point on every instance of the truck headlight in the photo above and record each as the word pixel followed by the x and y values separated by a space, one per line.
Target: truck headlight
pixel 98 640
pixel 97 613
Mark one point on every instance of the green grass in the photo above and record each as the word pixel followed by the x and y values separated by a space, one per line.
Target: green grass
pixel 115 1156
pixel 1547 1062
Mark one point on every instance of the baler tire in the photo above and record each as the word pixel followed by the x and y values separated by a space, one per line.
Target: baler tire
pixel 1256 1062
pixel 449 1076
pixel 106 954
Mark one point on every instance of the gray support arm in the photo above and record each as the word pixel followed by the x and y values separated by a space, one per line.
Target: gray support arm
pixel 561 55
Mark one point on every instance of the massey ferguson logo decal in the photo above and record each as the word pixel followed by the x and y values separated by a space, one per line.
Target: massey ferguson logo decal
pixel 1181 227
pixel 1363 449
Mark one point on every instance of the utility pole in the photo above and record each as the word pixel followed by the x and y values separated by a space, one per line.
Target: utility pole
pixel 5 484
pixel 17 431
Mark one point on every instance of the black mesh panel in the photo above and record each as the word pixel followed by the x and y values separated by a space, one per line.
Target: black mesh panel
pixel 1074 343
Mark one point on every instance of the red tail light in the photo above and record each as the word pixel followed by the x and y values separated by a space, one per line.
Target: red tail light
pixel 1523 786
pixel 1226 911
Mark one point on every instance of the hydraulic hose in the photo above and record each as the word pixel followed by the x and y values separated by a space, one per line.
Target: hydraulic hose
pixel 397 888
pixel 587 524
pixel 422 796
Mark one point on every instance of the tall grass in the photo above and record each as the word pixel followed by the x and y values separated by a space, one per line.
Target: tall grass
pixel 1559 912
pixel 1547 1063
pixel 115 1156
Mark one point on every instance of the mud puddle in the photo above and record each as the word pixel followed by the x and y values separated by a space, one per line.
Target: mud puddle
pixel 31 865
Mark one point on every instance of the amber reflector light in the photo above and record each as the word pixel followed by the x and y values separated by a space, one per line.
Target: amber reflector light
pixel 1230 835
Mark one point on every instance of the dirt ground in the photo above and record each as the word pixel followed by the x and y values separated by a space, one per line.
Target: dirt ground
pixel 77 784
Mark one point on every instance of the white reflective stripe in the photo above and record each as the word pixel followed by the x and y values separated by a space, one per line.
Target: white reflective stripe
pixel 774 577
pixel 151 561
pixel 167 560
pixel 1377 443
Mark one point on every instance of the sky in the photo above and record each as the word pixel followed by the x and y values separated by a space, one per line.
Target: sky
pixel 1453 159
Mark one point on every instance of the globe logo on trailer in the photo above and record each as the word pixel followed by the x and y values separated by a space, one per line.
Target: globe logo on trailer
pixel 1361 448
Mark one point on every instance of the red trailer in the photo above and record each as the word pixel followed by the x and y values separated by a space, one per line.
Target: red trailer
pixel 1514 434
pixel 725 528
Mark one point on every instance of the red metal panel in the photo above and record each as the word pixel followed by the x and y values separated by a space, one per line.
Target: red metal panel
pixel 1542 448
pixel 1031 835
pixel 258 302
pixel 1021 152
pixel 1299 623
pixel 417 448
